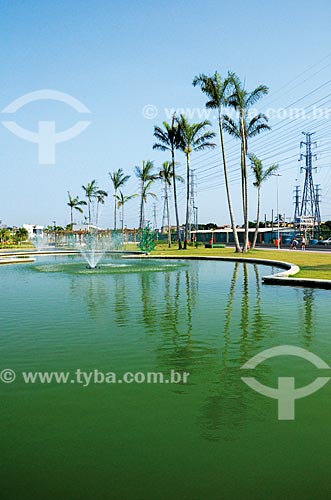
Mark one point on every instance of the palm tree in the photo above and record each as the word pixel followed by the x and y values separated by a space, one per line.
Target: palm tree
pixel 121 200
pixel 167 174
pixel 100 197
pixel 168 139
pixel 90 192
pixel 242 101
pixel 146 178
pixel 21 235
pixel 75 203
pixel 260 176
pixel 216 89
pixel 118 179
pixel 194 137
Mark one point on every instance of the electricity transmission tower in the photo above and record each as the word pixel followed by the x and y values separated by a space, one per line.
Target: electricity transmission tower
pixel 165 209
pixel 309 212
pixel 296 203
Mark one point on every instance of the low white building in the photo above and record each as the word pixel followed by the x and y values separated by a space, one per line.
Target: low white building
pixel 34 230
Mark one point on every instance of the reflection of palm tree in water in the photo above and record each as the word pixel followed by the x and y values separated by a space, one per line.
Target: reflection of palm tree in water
pixel 259 318
pixel 229 309
pixel 244 321
pixel 121 305
pixel 221 408
pixel 308 300
pixel 225 408
pixel 177 350
pixel 150 313
pixel 95 293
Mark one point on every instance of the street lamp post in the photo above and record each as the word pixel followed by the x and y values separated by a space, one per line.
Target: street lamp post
pixel 278 245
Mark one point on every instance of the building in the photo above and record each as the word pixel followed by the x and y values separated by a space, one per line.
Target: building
pixel 34 230
pixel 266 236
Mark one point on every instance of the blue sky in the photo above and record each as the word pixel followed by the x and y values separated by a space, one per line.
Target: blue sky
pixel 117 57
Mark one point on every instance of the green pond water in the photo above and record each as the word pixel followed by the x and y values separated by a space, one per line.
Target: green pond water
pixel 211 438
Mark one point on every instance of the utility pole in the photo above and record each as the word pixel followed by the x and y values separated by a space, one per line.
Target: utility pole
pixel 196 222
pixel 193 195
pixel 310 204
pixel 278 221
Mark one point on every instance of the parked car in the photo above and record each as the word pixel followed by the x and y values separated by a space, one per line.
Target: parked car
pixel 325 242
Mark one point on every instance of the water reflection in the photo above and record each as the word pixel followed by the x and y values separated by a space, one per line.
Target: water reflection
pixel 207 325
pixel 308 301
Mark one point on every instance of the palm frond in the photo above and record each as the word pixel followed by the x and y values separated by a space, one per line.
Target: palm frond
pixel 231 127
pixel 256 95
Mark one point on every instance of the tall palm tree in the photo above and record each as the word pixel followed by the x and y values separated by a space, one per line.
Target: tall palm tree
pixel 194 137
pixel 167 175
pixel 146 177
pixel 216 90
pixel 75 203
pixel 90 192
pixel 121 201
pixel 100 197
pixel 118 179
pixel 242 100
pixel 260 176
pixel 168 139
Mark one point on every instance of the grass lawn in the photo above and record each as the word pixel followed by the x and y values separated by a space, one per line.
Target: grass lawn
pixel 312 264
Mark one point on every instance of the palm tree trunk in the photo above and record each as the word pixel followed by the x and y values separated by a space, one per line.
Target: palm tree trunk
pixel 123 218
pixel 97 216
pixel 227 186
pixel 115 209
pixel 71 218
pixel 89 213
pixel 168 213
pixel 187 198
pixel 246 239
pixel 257 216
pixel 175 199
pixel 244 198
pixel 141 206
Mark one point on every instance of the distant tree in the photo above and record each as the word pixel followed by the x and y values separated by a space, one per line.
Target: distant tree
pixel 118 179
pixel 75 204
pixel 100 196
pixel 121 201
pixel 243 129
pixel 90 192
pixel 5 235
pixel 216 89
pixel 167 174
pixel 146 176
pixel 20 235
pixel 211 225
pixel 193 137
pixel 168 139
pixel 260 176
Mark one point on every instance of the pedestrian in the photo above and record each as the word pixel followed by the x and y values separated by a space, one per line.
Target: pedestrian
pixel 303 243
pixel 294 244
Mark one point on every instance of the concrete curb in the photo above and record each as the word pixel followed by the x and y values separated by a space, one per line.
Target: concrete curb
pixel 16 260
